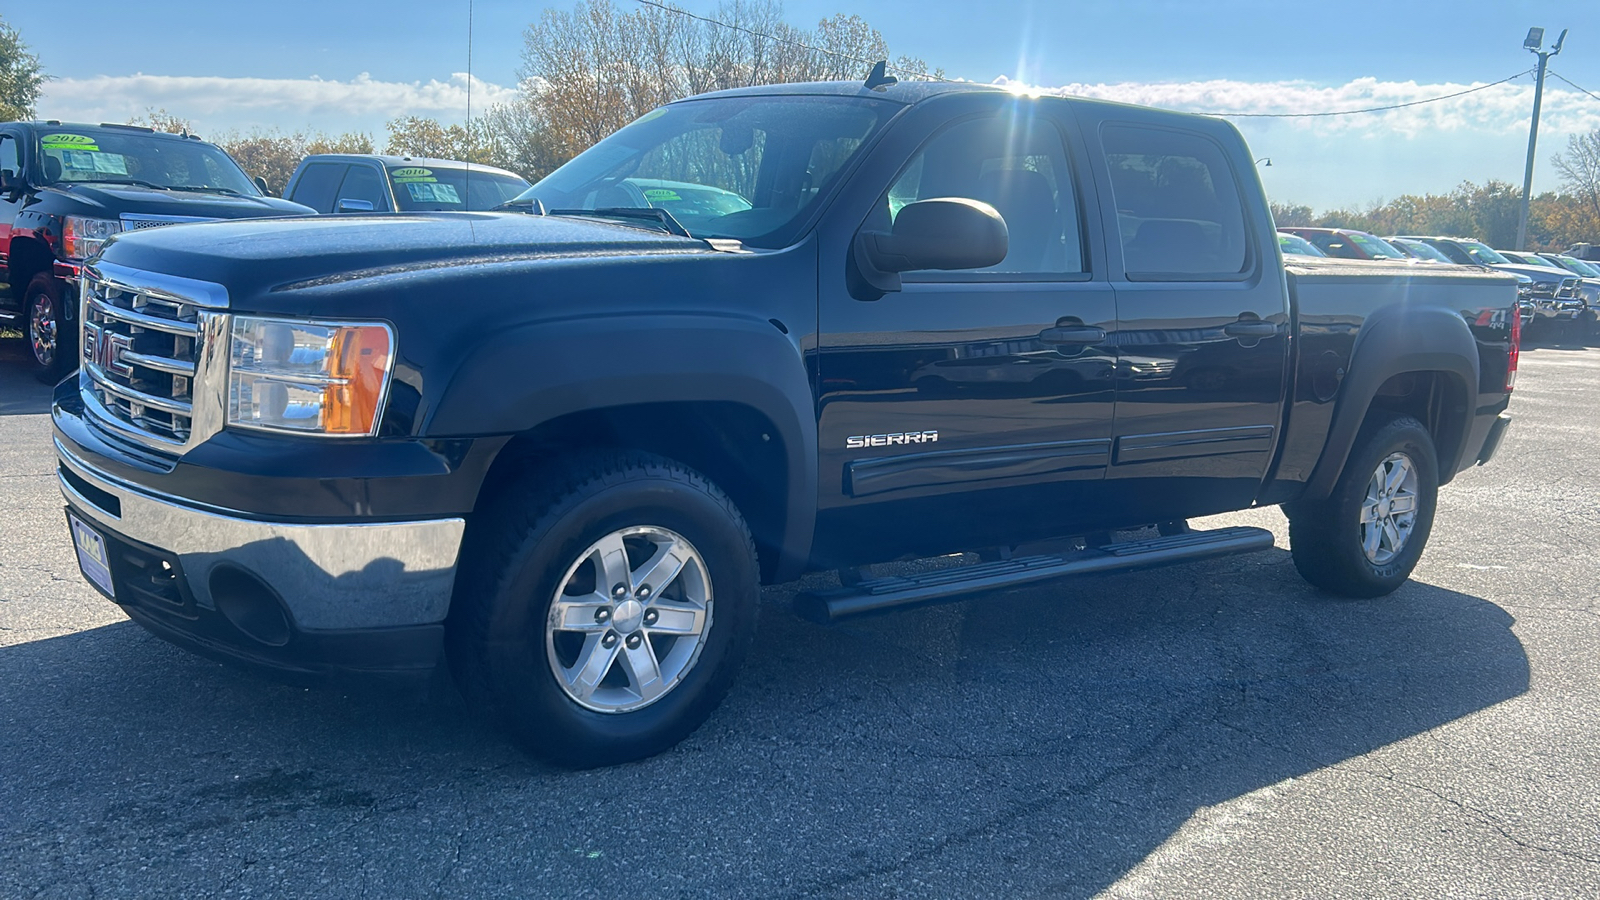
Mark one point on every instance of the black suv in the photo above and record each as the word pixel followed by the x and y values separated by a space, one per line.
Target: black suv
pixel 67 188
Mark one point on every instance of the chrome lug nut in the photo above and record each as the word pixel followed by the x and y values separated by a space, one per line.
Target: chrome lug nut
pixel 634 641
pixel 644 592
pixel 650 616
pixel 619 591
pixel 602 614
pixel 609 641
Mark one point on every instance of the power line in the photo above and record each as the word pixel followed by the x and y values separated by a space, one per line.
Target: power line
pixel 790 41
pixel 1575 87
pixel 1373 109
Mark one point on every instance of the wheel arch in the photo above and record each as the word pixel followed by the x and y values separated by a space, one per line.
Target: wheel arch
pixel 728 397
pixel 1420 362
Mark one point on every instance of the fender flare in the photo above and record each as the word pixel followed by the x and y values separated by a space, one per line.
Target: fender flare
pixel 1393 341
pixel 517 379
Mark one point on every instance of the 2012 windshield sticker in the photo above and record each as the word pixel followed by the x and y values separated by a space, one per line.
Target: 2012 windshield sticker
pixel 68 142
pixel 860 441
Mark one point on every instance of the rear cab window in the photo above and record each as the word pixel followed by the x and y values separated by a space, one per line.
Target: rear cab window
pixel 1179 212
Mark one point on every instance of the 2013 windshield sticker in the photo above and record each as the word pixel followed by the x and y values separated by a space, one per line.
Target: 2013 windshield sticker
pixel 859 441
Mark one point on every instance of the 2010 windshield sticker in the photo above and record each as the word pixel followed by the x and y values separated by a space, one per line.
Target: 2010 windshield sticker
pixel 411 175
pixel 432 193
pixel 68 142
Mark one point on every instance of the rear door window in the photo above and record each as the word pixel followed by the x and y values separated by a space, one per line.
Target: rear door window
pixel 1178 206
pixel 317 185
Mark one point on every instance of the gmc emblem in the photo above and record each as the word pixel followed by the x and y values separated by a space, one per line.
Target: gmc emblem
pixel 104 349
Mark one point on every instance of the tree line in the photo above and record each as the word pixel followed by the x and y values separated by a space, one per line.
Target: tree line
pixel 587 71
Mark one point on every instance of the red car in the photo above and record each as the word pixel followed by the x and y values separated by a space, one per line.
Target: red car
pixel 1347 244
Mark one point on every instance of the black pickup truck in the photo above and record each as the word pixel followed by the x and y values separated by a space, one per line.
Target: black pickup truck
pixel 65 188
pixel 751 335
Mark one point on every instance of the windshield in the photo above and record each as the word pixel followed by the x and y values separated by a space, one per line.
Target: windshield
pixel 1377 248
pixel 1419 250
pixel 113 156
pixel 1483 253
pixel 1579 266
pixel 1295 244
pixel 427 188
pixel 749 168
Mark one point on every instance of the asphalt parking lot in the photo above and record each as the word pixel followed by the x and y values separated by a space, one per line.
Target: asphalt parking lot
pixel 1211 730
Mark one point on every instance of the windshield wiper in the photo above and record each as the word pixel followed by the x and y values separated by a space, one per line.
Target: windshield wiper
pixel 631 213
pixel 148 184
pixel 198 187
pixel 532 204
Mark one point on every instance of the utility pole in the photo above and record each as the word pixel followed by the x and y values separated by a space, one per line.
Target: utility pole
pixel 1532 43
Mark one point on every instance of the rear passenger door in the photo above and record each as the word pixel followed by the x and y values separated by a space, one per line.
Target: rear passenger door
pixel 364 183
pixel 317 185
pixel 1202 319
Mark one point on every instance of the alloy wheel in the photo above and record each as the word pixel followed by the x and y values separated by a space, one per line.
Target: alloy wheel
pixel 1389 512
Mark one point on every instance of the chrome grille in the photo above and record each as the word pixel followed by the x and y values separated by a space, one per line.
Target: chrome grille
pixel 1569 288
pixel 138 221
pixel 145 356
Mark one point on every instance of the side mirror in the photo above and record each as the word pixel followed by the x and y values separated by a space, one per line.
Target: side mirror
pixel 942 233
pixel 261 185
pixel 10 182
pixel 348 204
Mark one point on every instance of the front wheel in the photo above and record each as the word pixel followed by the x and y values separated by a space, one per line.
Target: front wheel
pixel 604 607
pixel 49 334
pixel 1367 536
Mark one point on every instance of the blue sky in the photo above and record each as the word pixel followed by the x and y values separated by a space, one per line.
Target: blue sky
pixel 353 65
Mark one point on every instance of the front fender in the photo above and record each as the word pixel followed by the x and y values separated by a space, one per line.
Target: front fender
pixel 1395 340
pixel 519 378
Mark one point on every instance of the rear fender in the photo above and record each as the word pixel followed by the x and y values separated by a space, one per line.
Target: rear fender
pixel 1393 341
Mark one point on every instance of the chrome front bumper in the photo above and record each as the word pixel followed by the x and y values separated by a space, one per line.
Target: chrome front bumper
pixel 328 576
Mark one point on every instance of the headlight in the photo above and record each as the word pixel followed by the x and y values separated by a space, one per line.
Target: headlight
pixel 306 377
pixel 82 237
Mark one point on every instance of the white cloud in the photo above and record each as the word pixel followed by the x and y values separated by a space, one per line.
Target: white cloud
pixel 289 103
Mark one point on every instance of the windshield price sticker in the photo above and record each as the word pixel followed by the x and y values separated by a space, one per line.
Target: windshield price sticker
pixel 94 161
pixel 661 195
pixel 432 193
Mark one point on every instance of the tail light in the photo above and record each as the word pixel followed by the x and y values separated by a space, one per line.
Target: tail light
pixel 1516 348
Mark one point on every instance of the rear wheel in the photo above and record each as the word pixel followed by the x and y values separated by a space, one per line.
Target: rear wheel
pixel 49 334
pixel 1367 536
pixel 604 608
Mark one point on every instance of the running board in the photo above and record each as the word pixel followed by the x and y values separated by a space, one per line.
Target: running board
pixel 880 594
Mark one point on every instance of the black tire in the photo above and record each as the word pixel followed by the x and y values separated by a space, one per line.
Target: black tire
pixel 1326 536
pixel 516 556
pixel 51 339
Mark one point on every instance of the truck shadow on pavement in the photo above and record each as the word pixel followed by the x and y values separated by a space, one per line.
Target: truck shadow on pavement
pixel 1043 741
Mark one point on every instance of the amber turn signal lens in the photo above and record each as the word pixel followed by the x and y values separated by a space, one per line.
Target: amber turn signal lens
pixel 359 365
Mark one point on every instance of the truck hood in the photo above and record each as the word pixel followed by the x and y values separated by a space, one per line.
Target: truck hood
pixel 250 257
pixel 1538 273
pixel 111 201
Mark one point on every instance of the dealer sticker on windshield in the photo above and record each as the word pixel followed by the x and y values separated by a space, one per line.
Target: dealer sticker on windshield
pixel 68 142
pixel 432 193
pixel 411 174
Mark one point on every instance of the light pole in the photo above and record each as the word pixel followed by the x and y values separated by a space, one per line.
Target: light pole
pixel 1532 43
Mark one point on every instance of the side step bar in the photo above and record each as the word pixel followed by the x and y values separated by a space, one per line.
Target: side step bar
pixel 882 594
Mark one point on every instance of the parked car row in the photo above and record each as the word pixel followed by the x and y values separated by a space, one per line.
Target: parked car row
pixel 66 187
pixel 1555 290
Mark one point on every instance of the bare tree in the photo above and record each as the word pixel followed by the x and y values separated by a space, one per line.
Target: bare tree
pixel 1580 180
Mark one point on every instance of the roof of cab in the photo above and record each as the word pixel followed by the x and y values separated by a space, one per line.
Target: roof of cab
pixel 391 161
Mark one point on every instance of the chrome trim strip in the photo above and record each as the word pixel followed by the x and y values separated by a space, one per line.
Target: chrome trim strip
pixel 153 323
pixel 176 407
pixel 105 419
pixel 342 575
pixel 184 290
pixel 159 363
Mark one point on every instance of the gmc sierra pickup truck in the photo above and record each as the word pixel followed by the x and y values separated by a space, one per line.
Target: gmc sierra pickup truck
pixel 65 188
pixel 938 319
